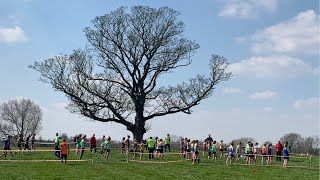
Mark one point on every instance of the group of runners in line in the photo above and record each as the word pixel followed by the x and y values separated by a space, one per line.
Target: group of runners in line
pixel 22 144
pixel 250 153
pixel 156 147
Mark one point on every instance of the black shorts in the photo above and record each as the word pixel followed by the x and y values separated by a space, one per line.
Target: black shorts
pixel 107 150
pixel 93 146
pixel 196 153
pixel 286 157
pixel 6 148
pixel 64 156
pixel 19 145
pixel 160 150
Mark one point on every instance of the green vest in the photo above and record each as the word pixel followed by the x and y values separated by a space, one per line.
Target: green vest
pixel 167 140
pixel 151 143
pixel 57 141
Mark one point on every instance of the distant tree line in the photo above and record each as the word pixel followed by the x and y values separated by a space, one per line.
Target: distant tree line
pixel 297 143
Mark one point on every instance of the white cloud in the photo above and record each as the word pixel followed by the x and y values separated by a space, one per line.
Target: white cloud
pixel 12 35
pixel 272 67
pixel 262 95
pixel 232 90
pixel 247 8
pixel 298 35
pixel 311 103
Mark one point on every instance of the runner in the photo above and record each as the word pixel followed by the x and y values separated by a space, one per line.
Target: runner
pixel 33 138
pixel 204 148
pixel 285 156
pixel 214 150
pixel 269 154
pixel 6 147
pixel 82 146
pixel 249 149
pixel 195 152
pixel 26 145
pixel 127 144
pixel 102 143
pixel 123 145
pixel 238 150
pixel 188 151
pixel 209 149
pixel 106 147
pixel 230 154
pixel 160 149
pixel 64 151
pixel 185 144
pixel 78 143
pixel 93 144
pixel 264 153
pixel 141 149
pixel 182 147
pixel 221 147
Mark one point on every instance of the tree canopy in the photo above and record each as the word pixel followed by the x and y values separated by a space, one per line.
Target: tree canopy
pixel 115 78
pixel 20 117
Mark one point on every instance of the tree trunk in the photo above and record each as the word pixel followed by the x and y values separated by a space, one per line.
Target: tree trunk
pixel 138 128
pixel 138 134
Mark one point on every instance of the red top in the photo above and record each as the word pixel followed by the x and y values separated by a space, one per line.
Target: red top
pixel 64 148
pixel 279 147
pixel 93 141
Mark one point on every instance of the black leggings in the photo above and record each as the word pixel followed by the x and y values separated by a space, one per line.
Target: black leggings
pixel 81 153
pixel 167 146
pixel 278 156
pixel 151 151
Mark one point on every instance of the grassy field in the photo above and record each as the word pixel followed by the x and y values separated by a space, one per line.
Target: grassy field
pixel 171 167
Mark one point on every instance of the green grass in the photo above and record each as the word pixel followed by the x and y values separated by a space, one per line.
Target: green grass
pixel 117 168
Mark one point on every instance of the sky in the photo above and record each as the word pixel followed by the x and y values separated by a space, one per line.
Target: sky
pixel 272 47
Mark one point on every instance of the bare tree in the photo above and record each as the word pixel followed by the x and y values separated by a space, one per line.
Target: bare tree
pixel 115 79
pixel 243 140
pixel 20 116
pixel 295 141
pixel 299 144
pixel 175 138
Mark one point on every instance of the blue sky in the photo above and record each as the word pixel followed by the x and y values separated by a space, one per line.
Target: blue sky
pixel 272 47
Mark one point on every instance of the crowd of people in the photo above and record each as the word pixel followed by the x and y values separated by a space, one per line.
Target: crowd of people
pixel 155 148
pixel 21 144
pixel 249 152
